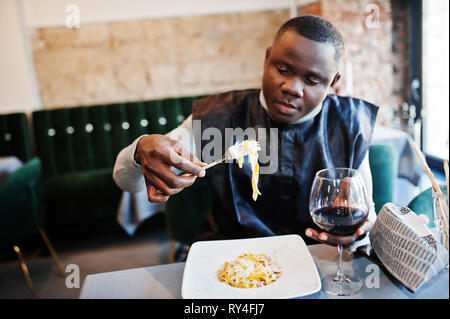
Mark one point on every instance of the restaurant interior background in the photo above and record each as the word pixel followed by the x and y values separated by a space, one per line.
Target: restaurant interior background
pixel 70 66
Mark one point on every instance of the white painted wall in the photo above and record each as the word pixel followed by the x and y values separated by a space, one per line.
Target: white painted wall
pixel 18 87
pixel 51 13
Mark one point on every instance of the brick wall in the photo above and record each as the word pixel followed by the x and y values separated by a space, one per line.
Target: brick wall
pixel 368 42
pixel 401 50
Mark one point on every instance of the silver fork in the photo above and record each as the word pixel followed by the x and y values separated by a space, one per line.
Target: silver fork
pixel 233 152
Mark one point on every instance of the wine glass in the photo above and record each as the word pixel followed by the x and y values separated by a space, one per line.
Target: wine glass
pixel 339 205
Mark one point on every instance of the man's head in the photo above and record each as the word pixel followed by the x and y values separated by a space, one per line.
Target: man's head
pixel 300 67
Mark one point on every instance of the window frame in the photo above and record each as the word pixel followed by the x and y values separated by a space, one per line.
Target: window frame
pixel 416 36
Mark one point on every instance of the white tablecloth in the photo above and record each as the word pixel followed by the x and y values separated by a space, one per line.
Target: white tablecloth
pixel 165 281
pixel 134 209
pixel 409 166
pixel 8 164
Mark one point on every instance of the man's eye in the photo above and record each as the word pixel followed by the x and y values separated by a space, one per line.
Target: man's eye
pixel 282 70
pixel 312 81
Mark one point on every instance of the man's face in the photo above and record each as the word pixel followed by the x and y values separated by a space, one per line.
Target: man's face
pixel 297 75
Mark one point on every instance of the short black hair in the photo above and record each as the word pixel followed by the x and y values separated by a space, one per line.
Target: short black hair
pixel 317 29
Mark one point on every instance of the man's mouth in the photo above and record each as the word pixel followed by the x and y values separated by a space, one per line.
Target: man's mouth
pixel 286 104
pixel 286 108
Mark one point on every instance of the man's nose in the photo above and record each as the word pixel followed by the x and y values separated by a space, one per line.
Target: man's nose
pixel 293 87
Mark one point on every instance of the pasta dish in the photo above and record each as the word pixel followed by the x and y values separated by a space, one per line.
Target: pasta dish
pixel 250 271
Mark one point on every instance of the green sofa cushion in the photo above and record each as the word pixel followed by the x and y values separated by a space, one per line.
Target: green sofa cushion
pixel 383 161
pixel 80 200
pixel 423 204
pixel 20 197
pixel 15 136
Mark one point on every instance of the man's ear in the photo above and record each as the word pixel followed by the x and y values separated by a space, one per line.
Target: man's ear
pixel 268 51
pixel 335 80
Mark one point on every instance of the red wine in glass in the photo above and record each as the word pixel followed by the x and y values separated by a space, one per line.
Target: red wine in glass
pixel 339 205
pixel 339 220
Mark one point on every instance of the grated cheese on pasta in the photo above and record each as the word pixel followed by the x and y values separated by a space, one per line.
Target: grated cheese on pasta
pixel 250 271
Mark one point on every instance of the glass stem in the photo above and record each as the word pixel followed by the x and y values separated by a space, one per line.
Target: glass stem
pixel 340 273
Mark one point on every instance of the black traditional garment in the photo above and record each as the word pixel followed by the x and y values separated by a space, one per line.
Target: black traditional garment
pixel 339 136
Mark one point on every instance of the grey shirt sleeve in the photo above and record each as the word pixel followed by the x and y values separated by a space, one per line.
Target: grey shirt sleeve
pixel 127 173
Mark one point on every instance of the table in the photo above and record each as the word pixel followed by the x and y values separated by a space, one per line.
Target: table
pixel 164 281
pixel 409 166
pixel 134 209
pixel 8 164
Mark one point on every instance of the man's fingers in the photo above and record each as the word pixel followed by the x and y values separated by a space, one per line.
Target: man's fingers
pixel 321 237
pixel 162 186
pixel 157 154
pixel 337 240
pixel 329 239
pixel 172 158
pixel 312 233
pixel 186 155
pixel 166 177
pixel 364 228
pixel 154 195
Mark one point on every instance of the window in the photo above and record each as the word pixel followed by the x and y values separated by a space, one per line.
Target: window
pixel 435 77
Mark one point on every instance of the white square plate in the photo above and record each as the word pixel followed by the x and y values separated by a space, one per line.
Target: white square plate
pixel 205 258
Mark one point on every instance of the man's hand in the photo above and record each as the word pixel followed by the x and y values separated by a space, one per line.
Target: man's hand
pixel 333 240
pixel 157 154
